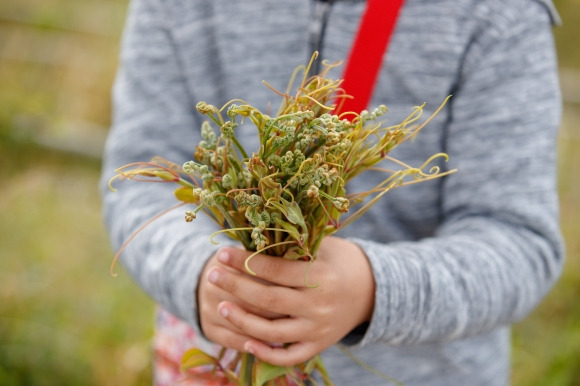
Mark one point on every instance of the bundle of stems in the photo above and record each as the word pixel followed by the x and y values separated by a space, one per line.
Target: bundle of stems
pixel 290 193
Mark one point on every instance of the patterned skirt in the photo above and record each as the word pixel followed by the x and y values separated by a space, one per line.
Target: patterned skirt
pixel 172 339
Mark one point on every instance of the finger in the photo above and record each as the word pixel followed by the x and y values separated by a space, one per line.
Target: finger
pixel 220 294
pixel 289 273
pixel 228 338
pixel 267 297
pixel 282 356
pixel 210 320
pixel 283 330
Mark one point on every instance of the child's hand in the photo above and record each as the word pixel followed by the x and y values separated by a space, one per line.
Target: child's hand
pixel 315 318
pixel 209 296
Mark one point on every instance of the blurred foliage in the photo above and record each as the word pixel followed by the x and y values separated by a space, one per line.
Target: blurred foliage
pixel 63 319
pixel 57 64
pixel 568 34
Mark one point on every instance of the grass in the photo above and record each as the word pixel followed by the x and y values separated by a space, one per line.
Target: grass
pixel 567 34
pixel 63 319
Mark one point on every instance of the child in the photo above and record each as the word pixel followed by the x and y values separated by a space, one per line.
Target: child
pixel 425 286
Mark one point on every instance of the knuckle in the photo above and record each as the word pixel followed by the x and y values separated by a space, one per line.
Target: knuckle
pixel 275 336
pixel 318 302
pixel 238 259
pixel 321 303
pixel 333 280
pixel 229 284
pixel 323 331
pixel 240 323
pixel 270 268
pixel 267 300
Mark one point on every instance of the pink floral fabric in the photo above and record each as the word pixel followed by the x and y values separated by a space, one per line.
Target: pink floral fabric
pixel 172 339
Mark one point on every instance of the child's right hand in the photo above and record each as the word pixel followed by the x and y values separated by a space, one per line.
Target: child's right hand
pixel 214 326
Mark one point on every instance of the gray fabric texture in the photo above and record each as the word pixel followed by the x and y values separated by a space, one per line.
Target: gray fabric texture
pixel 455 260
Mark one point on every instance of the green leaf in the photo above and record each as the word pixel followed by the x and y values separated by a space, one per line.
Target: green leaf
pixel 310 365
pixel 266 372
pixel 294 253
pixel 195 358
pixel 280 205
pixel 295 214
pixel 292 211
pixel 322 370
pixel 290 228
pixel 231 376
pixel 270 188
pixel 165 175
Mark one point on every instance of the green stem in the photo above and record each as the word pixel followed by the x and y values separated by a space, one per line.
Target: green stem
pixel 217 121
pixel 244 236
pixel 246 370
pixel 240 147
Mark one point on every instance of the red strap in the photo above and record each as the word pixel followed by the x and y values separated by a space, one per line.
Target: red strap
pixel 367 51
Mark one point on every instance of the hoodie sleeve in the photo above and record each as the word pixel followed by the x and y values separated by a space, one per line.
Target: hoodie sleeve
pixel 498 250
pixel 153 115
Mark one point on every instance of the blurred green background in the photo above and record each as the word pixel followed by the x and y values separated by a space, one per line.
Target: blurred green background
pixel 63 319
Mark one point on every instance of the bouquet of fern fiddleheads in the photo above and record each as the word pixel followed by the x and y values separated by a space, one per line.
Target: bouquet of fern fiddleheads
pixel 283 198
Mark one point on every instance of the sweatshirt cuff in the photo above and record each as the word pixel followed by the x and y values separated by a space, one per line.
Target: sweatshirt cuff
pixel 387 288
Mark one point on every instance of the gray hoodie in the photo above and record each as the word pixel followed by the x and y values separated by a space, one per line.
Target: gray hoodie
pixel 455 260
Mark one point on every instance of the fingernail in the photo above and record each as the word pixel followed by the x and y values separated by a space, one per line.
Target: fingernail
pixel 213 276
pixel 224 311
pixel 223 256
pixel 248 348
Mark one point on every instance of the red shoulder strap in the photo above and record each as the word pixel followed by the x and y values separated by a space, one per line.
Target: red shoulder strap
pixel 367 52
